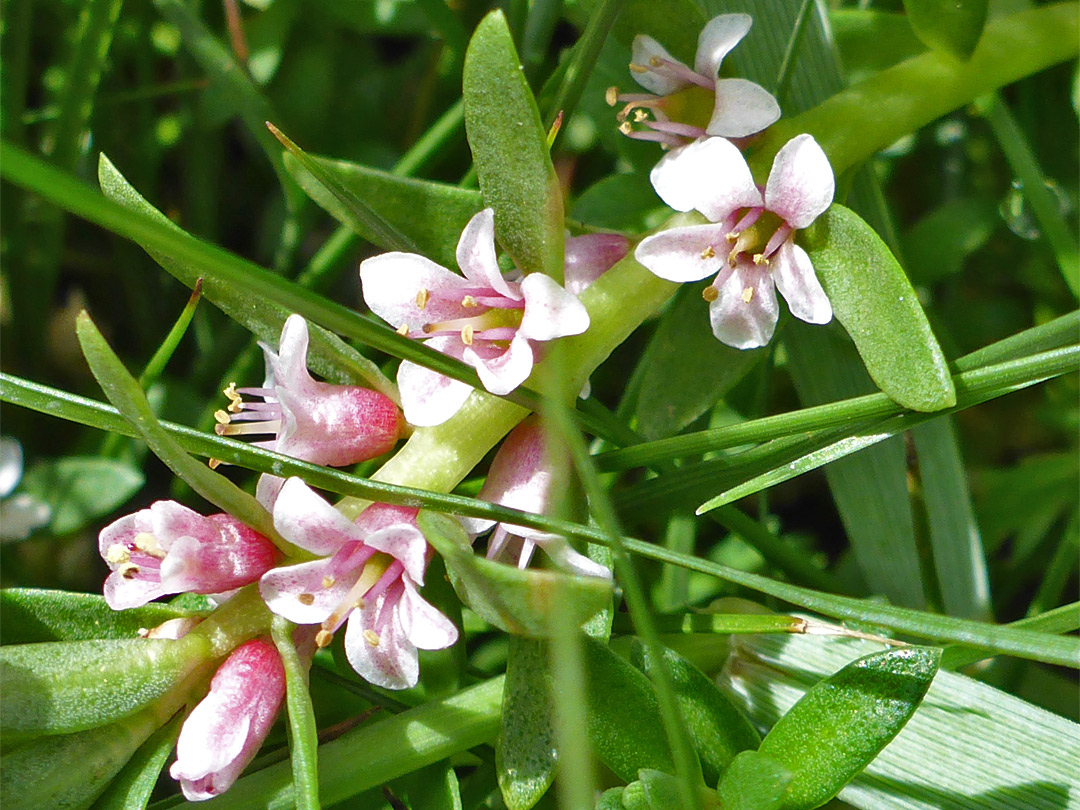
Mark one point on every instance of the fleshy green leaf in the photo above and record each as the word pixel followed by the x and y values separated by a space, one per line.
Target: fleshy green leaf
pixel 510 151
pixel 81 488
pixel 124 392
pixel 431 215
pixel 686 369
pixel 525 753
pixel 873 299
pixel 131 788
pixel 64 687
pixel 511 599
pixel 625 726
pixel 952 26
pixel 718 730
pixel 30 615
pixel 753 782
pixel 842 723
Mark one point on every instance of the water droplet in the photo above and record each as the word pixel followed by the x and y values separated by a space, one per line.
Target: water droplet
pixel 1017 213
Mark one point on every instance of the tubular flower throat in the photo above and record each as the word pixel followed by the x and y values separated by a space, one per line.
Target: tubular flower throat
pixel 683 104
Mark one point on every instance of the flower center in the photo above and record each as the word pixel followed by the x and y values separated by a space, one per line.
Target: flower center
pixel 379 572
pixel 751 236
pixel 691 105
pixel 500 324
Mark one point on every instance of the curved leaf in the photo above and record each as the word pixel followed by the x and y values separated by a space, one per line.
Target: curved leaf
pixel 952 26
pixel 525 753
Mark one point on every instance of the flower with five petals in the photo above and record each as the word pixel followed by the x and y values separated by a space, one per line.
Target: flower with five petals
pixel 749 240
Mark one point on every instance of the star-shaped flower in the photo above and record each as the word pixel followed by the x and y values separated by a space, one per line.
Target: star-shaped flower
pixel 687 104
pixel 369 575
pixel 749 242
pixel 493 323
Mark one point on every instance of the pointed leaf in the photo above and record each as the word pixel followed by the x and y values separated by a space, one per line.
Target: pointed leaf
pixel 952 26
pixel 131 788
pixel 525 753
pixel 843 722
pixel 431 215
pixel 753 782
pixel 513 600
pixel 81 488
pixel 510 151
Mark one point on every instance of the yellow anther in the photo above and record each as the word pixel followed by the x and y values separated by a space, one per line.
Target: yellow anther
pixel 236 402
pixel 733 236
pixel 467 335
pixel 422 297
pixel 625 128
pixel 221 417
pixel 612 96
pixel 748 295
pixel 148 544
pixel 128 570
pixel 640 115
pixel 656 61
pixel 638 68
pixel 371 637
pixel 213 463
pixel 710 293
pixel 328 582
pixel 708 252
pixel 323 638
pixel 469 301
pixel 403 330
pixel 117 554
pixel 306 599
pixel 759 259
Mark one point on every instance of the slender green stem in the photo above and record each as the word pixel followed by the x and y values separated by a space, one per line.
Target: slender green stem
pixel 584 59
pixel 303 732
pixel 784 74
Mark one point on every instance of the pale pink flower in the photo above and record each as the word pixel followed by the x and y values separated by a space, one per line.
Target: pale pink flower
pixel 491 322
pixel 370 578
pixel 749 242
pixel 523 477
pixel 225 731
pixel 687 104
pixel 169 548
pixel 323 423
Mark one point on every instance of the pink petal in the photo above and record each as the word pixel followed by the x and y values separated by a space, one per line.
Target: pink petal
pixel 381 515
pixel 288 366
pixel 591 255
pixel 520 475
pixel 307 593
pixel 501 371
pixel 798 283
pixel 709 175
pixel 392 282
pixel 267 489
pixel 171 520
pixel 550 311
pixel 644 49
pixel 427 397
pixel 123 531
pixel 742 108
pixel 801 183
pixel 422 623
pixel 122 593
pixel 306 520
pixel 685 254
pixel 476 255
pixel 405 543
pixel 716 40
pixel 475 526
pixel 392 662
pixel 745 324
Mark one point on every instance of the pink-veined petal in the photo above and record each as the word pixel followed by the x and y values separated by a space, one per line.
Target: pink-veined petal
pixel 801 183
pixel 422 623
pixel 589 256
pixel 171 520
pixel 685 254
pixel 742 323
pixel 476 255
pixel 392 284
pixel 306 520
pixel 124 530
pixel 709 175
pixel 550 311
pixel 742 108
pixel 796 280
pixel 308 592
pixel 643 51
pixel 381 515
pixel 390 662
pixel 405 543
pixel 501 371
pixel 716 40
pixel 427 397
pixel 287 366
pixel 123 592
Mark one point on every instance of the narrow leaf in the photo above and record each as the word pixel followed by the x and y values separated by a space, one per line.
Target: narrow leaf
pixel 513 600
pixel 525 752
pixel 952 26
pixel 124 392
pixel 873 299
pixel 81 488
pixel 131 788
pixel 303 733
pixel 509 145
pixel 842 723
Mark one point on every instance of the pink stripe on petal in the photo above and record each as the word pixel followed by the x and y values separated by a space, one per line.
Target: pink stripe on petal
pixel 502 371
pixel 798 283
pixel 550 311
pixel 801 184
pixel 476 255
pixel 742 108
pixel 392 281
pixel 716 40
pixel 690 253
pixel 305 519
pixel 745 324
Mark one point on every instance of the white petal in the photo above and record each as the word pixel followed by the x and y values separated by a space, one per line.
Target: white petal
pixel 801 184
pixel 423 624
pixel 798 283
pixel 561 552
pixel 742 108
pixel 427 397
pixel 710 175
pixel 476 255
pixel 502 371
pixel 740 323
pixel 716 40
pixel 392 662
pixel 644 49
pixel 281 589
pixel 11 465
pixel 392 281
pixel 685 254
pixel 550 311
pixel 305 519
pixel 405 543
